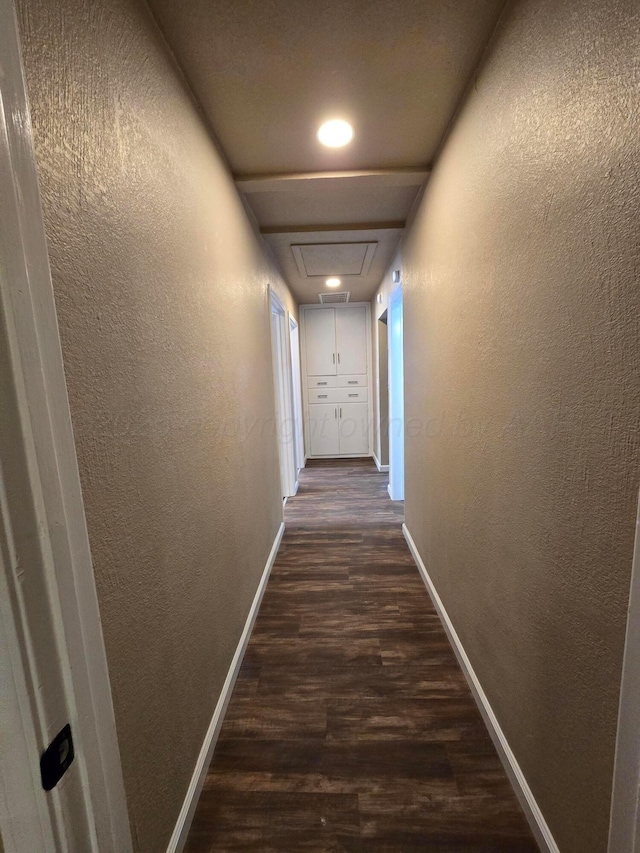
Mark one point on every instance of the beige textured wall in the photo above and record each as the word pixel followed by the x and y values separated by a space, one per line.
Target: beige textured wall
pixel 161 289
pixel 522 306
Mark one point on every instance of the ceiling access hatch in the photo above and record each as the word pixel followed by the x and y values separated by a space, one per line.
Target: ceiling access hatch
pixel 333 259
pixel 343 296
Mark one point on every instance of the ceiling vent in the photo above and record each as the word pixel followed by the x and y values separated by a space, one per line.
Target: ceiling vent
pixel 334 297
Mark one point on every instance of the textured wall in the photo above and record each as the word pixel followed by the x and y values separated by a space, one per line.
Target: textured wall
pixel 161 289
pixel 522 398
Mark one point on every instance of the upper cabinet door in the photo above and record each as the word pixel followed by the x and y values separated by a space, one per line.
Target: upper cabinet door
pixel 320 342
pixel 351 334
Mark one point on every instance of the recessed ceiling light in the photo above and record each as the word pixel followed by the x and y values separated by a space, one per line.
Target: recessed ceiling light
pixel 335 133
pixel 333 282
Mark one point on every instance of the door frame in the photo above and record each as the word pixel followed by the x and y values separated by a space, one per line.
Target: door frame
pixel 38 430
pixel 624 828
pixel 296 377
pixel 283 391
pixel 396 396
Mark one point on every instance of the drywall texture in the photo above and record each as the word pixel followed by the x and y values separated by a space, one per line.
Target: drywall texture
pixel 522 398
pixel 161 290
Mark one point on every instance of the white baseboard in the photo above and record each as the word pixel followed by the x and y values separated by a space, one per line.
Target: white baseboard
pixel 528 802
pixel 382 468
pixel 181 830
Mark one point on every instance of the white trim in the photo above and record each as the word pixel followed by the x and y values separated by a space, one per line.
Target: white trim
pixel 39 381
pixel 624 832
pixel 296 389
pixel 185 818
pixel 521 787
pixel 382 468
pixel 395 325
pixel 283 391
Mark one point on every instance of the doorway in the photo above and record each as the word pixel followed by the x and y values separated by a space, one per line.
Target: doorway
pixel 396 396
pixel 285 426
pixel 298 443
pixel 383 391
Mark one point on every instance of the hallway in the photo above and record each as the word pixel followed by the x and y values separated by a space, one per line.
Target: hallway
pixel 351 726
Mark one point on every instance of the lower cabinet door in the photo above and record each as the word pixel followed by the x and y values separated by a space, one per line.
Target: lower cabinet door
pixel 323 426
pixel 354 427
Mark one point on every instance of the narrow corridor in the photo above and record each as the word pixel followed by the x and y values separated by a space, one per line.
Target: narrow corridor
pixel 351 726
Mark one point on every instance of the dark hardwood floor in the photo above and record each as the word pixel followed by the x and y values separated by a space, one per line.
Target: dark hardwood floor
pixel 351 727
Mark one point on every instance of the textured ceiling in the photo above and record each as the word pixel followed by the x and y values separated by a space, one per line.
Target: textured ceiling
pixel 268 72
pixel 306 288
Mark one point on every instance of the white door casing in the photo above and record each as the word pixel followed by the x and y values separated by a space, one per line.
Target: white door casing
pixel 294 335
pixel 396 396
pixel 283 387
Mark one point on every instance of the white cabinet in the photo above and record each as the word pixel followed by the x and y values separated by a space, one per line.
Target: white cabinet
pixel 351 340
pixel 320 342
pixel 338 429
pixel 353 420
pixel 336 341
pixel 336 386
pixel 323 429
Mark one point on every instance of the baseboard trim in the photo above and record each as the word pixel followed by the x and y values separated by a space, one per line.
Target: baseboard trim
pixel 181 830
pixel 382 468
pixel 524 793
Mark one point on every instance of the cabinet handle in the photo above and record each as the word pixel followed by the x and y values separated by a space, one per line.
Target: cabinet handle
pixel 322 396
pixel 335 414
pixel 338 358
pixel 334 358
pixel 340 412
pixel 322 383
pixel 354 395
pixel 352 382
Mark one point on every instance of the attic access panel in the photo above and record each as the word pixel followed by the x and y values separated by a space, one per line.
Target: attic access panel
pixel 333 259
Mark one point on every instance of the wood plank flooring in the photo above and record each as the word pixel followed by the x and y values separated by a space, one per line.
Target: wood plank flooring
pixel 351 727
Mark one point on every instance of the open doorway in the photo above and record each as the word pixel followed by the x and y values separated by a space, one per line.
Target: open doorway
pixel 298 442
pixel 383 390
pixel 285 427
pixel 396 396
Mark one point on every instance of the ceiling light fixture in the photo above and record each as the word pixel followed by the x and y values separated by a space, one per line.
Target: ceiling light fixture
pixel 335 133
pixel 333 282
